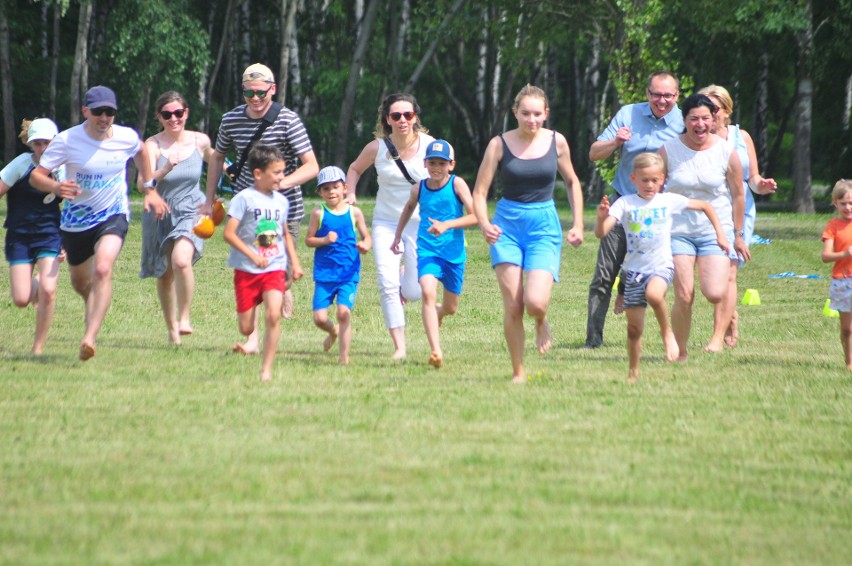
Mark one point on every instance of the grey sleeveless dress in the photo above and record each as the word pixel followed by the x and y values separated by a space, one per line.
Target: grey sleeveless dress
pixel 181 189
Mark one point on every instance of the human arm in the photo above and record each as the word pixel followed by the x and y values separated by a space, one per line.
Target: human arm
pixel 231 237
pixel 407 211
pixel 829 255
pixel 463 194
pixel 573 189
pixel 296 271
pixel 484 178
pixel 707 208
pixel 4 188
pixel 734 175
pixel 152 201
pixel 215 162
pixel 307 171
pixel 365 159
pixel 602 149
pixel 40 179
pixel 604 222
pixel 366 242
pixel 756 182
pixel 311 238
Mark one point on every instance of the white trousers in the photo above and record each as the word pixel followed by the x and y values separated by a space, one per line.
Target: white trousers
pixel 389 272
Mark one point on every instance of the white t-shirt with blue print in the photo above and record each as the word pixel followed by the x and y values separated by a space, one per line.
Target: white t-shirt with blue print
pixel 648 225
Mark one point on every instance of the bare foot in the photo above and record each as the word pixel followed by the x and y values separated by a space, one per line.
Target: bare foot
pixel 713 347
pixel 436 360
pixel 330 339
pixel 618 307
pixel 87 351
pixel 732 335
pixel 399 355
pixel 633 376
pixel 185 331
pixel 543 338
pixel 37 350
pixel 245 350
pixel 343 360
pixel 287 305
pixel 265 377
pixel 682 358
pixel 672 350
pixel 519 379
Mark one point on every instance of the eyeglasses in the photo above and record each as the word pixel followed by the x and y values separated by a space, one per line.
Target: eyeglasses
pixel 261 94
pixel 176 113
pixel 662 95
pixel 103 110
pixel 395 116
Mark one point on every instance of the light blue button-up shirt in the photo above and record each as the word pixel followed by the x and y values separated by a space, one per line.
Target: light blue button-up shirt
pixel 647 133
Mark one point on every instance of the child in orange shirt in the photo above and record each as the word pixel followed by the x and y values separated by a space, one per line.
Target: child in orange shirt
pixel 837 248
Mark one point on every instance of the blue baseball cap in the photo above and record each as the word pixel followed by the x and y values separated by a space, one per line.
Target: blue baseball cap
pixel 440 149
pixel 330 174
pixel 100 97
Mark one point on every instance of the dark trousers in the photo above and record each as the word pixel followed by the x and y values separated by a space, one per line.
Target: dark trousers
pixel 610 257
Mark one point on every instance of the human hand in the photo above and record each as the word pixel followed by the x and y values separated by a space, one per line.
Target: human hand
pixel 296 271
pixel 259 260
pixel 437 228
pixel 741 248
pixel 331 237
pixel 491 232
pixel 395 246
pixel 723 243
pixel 603 209
pixel 350 198
pixel 153 202
pixel 364 246
pixel 575 237
pixel 68 189
pixel 622 135
pixel 62 255
pixel 767 186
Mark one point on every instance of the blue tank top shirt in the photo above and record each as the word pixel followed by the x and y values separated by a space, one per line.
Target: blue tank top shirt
pixel 340 261
pixel 528 180
pixel 440 204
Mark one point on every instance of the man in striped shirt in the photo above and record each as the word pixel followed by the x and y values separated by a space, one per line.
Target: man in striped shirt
pixel 287 133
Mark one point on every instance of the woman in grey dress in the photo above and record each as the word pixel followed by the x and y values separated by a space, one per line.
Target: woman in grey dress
pixel 169 248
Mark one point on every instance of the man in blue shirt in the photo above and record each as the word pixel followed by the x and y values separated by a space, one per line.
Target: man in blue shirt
pixel 636 128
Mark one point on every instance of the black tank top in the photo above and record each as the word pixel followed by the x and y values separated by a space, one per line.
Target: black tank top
pixel 528 180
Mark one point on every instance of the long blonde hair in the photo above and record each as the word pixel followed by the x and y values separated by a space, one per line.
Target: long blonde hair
pixel 722 95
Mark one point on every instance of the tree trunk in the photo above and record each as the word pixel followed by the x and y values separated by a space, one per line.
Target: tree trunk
pixel 80 60
pixel 142 109
pixel 9 129
pixel 761 113
pixel 844 148
pixel 54 59
pixel 803 201
pixel 365 29
pixel 220 53
pixel 427 56
pixel 589 106
pixel 288 25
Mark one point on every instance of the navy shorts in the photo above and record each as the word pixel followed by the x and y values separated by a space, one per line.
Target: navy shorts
pixel 29 248
pixel 80 246
pixel 635 283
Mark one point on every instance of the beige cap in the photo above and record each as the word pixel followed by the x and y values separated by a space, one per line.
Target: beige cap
pixel 258 72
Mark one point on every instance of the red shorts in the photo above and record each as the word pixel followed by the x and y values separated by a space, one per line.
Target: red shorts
pixel 250 287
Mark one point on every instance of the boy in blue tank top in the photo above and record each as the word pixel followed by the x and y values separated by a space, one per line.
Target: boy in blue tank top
pixel 443 199
pixel 337 263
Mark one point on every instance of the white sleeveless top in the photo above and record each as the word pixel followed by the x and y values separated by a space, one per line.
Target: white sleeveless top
pixel 394 188
pixel 699 175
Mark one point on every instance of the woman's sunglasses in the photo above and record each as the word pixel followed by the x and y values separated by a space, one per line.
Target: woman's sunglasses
pixel 103 110
pixel 395 116
pixel 177 114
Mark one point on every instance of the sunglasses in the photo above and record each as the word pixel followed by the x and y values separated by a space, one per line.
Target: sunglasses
pixel 176 113
pixel 103 110
pixel 395 116
pixel 261 94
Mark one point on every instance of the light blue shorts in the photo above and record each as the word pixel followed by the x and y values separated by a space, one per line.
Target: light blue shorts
pixel 451 275
pixel 840 293
pixel 531 238
pixel 325 293
pixel 636 282
pixel 702 245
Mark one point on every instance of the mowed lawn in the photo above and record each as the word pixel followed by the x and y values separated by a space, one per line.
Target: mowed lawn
pixel 151 453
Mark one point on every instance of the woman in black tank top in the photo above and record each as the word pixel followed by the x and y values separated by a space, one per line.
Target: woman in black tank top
pixel 525 234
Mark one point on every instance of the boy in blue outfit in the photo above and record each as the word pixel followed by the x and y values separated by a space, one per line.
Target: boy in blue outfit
pixel 443 199
pixel 337 264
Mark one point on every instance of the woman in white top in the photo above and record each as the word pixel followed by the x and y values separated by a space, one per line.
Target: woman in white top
pixel 700 165
pixel 398 125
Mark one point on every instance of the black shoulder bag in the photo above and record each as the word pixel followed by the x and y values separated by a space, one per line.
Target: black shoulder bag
pixel 395 156
pixel 234 170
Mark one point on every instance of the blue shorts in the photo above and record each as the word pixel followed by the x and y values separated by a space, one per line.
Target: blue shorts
pixel 840 292
pixel 451 275
pixel 531 238
pixel 702 245
pixel 636 282
pixel 80 246
pixel 29 248
pixel 325 293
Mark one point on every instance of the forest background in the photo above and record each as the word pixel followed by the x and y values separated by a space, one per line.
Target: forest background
pixel 787 64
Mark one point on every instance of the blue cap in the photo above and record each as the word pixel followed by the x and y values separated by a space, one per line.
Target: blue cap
pixel 330 174
pixel 440 149
pixel 100 97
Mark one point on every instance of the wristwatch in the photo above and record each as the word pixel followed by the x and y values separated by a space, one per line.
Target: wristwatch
pixel 741 233
pixel 152 184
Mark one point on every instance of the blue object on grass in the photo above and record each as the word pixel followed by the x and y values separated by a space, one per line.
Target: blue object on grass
pixel 790 274
pixel 756 240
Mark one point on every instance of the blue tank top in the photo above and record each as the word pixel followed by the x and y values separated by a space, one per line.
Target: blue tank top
pixel 528 180
pixel 27 212
pixel 340 261
pixel 440 204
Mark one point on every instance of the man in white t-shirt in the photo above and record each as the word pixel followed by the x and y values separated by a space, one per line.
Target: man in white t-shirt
pixel 96 213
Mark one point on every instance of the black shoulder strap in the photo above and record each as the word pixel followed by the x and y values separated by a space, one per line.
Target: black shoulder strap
pixel 267 120
pixel 395 156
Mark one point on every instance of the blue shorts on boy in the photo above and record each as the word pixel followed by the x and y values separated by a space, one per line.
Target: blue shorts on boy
pixel 441 256
pixel 337 266
pixel 531 238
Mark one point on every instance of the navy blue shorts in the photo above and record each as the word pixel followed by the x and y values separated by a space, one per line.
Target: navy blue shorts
pixel 28 248
pixel 80 246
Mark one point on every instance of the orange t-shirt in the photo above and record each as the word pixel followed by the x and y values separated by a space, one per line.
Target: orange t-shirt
pixel 840 231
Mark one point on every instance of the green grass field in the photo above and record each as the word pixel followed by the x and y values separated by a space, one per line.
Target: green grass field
pixel 178 455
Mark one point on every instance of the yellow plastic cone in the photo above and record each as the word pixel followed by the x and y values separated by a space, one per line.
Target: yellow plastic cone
pixel 615 283
pixel 751 297
pixel 828 311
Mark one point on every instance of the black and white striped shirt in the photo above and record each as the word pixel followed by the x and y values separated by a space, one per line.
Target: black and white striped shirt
pixel 288 134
